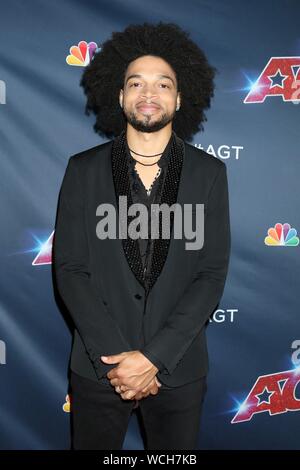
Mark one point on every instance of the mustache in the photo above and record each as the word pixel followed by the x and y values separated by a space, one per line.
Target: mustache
pixel 141 103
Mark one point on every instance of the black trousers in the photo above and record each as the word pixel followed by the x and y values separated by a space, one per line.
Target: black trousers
pixel 100 416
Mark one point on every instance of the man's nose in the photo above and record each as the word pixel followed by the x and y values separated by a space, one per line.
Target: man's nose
pixel 148 92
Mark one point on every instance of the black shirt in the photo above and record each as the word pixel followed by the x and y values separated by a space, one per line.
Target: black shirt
pixel 139 195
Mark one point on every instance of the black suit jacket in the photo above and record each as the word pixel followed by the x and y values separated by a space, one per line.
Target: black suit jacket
pixel 99 280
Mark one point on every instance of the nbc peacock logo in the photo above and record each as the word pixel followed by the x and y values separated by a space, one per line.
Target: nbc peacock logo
pixel 67 405
pixel 82 54
pixel 282 235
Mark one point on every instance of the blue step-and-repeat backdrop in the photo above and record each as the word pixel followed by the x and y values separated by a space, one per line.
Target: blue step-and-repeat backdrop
pixel 253 398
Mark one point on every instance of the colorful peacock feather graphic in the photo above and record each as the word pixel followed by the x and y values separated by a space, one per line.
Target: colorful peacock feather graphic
pixel 67 405
pixel 282 235
pixel 82 54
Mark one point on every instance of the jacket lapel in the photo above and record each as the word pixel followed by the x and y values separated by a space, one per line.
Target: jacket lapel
pixel 122 188
pixel 168 196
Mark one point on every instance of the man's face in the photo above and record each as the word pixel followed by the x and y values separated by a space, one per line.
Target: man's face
pixel 149 96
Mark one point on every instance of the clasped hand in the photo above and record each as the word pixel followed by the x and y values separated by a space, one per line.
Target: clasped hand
pixel 134 377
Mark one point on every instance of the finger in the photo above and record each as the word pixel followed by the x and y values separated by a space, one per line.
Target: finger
pixel 128 395
pixel 112 374
pixel 115 382
pixel 158 383
pixel 114 359
pixel 121 388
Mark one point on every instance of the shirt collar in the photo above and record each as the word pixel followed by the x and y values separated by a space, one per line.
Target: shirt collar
pixel 164 159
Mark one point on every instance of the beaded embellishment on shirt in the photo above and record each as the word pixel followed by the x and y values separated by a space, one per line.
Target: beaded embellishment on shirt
pixel 168 193
pixel 148 191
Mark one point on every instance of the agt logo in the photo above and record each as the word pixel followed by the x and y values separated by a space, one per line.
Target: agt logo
pixel 273 393
pixel 282 235
pixel 223 151
pixel 221 316
pixel 82 54
pixel 44 255
pixel 280 77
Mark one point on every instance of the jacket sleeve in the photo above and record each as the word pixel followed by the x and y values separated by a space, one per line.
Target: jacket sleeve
pixel 203 294
pixel 71 260
pixel 153 359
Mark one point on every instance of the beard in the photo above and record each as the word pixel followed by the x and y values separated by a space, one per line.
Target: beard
pixel 147 123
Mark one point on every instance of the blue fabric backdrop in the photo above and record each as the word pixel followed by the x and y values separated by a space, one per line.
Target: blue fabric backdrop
pixel 42 122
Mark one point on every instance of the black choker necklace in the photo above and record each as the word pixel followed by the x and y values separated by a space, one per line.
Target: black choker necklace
pixel 145 164
pixel 148 156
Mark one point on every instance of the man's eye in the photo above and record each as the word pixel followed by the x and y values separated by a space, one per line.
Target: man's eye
pixel 164 85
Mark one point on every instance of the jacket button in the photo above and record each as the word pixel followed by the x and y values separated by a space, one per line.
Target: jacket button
pixel 105 303
pixel 138 296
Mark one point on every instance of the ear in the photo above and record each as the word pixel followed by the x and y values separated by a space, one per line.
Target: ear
pixel 121 98
pixel 178 99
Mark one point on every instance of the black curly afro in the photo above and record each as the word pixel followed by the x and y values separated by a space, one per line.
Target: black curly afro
pixel 104 76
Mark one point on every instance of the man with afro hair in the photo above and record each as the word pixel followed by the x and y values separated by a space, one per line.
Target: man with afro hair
pixel 140 304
